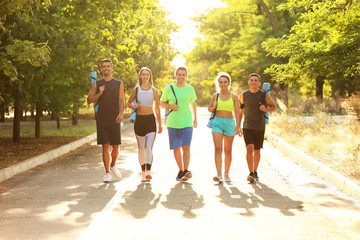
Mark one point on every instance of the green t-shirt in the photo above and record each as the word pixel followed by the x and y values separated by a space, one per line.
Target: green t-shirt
pixel 181 118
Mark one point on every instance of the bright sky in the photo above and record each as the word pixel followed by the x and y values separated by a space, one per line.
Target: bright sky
pixel 180 13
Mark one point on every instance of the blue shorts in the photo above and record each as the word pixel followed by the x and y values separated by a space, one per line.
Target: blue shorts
pixel 179 137
pixel 225 126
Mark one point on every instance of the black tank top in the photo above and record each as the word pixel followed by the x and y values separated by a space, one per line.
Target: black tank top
pixel 254 118
pixel 109 101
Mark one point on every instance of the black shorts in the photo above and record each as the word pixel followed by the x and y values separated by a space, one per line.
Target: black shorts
pixel 108 132
pixel 144 124
pixel 255 137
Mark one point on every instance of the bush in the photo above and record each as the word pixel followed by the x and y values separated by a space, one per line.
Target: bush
pixel 352 106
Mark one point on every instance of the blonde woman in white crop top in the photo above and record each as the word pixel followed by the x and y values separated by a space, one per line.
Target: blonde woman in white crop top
pixel 147 100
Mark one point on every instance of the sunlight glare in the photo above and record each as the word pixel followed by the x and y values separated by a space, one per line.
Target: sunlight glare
pixel 180 13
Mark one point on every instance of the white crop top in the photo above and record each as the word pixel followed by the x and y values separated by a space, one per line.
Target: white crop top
pixel 145 97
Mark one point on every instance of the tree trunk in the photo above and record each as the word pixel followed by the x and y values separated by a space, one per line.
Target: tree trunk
pixel 57 122
pixel 2 116
pixel 16 121
pixel 287 19
pixel 285 88
pixel 37 120
pixel 74 119
pixel 75 114
pixel 53 116
pixel 259 9
pixel 270 16
pixel 319 87
pixel 22 114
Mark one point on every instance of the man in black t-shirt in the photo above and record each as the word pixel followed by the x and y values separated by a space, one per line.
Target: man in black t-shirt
pixel 109 92
pixel 252 104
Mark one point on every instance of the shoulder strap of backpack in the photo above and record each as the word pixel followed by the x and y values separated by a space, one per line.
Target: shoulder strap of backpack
pixel 213 115
pixel 172 88
pixel 136 93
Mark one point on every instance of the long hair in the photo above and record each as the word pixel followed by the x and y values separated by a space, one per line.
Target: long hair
pixel 139 79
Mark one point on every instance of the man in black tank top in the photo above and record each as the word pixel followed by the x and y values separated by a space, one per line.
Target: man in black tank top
pixel 252 104
pixel 109 92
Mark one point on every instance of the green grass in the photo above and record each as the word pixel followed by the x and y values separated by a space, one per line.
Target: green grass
pixel 67 129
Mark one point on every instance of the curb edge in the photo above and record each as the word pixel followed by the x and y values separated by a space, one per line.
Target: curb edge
pixel 30 163
pixel 317 168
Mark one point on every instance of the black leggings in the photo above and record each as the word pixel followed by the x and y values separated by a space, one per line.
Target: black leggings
pixel 145 131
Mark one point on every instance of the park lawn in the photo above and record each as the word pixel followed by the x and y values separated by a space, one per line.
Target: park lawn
pixel 28 147
pixel 334 141
pixel 51 137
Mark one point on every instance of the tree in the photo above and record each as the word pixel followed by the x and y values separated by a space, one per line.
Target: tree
pixel 80 34
pixel 233 39
pixel 324 46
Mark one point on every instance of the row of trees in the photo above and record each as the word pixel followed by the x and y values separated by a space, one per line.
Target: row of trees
pixel 308 44
pixel 49 47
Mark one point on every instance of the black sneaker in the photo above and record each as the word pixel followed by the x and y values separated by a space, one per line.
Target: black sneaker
pixel 251 177
pixel 256 176
pixel 187 175
pixel 180 175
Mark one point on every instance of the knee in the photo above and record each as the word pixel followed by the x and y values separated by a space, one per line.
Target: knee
pixel 227 151
pixel 257 152
pixel 250 148
pixel 218 149
pixel 105 147
pixel 186 148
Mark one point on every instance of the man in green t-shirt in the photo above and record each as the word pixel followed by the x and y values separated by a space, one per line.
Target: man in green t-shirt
pixel 178 98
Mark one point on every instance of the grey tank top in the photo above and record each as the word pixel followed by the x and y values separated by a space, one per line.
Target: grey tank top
pixel 109 100
pixel 145 97
pixel 254 118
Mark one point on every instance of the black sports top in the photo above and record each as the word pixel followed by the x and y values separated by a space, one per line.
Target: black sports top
pixel 254 118
pixel 109 101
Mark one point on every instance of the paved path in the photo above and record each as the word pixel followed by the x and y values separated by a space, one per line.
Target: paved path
pixel 65 199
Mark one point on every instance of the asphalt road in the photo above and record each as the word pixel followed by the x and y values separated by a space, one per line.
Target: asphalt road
pixel 66 199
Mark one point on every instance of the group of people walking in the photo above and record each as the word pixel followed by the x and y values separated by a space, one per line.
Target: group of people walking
pixel 179 100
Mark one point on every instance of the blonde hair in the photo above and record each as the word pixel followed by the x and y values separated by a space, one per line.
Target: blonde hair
pixel 222 74
pixel 183 67
pixel 139 79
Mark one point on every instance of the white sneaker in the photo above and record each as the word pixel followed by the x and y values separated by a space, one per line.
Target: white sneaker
pixel 218 178
pixel 227 178
pixel 116 172
pixel 107 178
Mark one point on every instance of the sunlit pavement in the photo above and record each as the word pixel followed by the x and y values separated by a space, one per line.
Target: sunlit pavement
pixel 66 199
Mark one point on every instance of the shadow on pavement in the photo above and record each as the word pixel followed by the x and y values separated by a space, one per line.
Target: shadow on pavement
pixel 70 186
pixel 269 197
pixel 140 201
pixel 234 198
pixel 92 202
pixel 263 195
pixel 182 197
